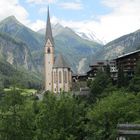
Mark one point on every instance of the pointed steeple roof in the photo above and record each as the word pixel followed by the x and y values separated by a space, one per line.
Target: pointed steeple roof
pixel 60 62
pixel 49 29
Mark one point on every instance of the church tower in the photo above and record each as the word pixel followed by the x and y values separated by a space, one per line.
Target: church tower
pixel 49 56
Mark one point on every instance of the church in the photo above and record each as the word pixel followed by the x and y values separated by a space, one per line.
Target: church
pixel 58 74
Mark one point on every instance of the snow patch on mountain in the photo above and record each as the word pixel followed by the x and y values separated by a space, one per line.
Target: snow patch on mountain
pixel 83 33
pixel 88 35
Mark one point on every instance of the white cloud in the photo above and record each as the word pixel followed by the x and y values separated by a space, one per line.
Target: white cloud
pixel 12 7
pixel 40 24
pixel 71 5
pixel 41 1
pixel 37 25
pixel 55 20
pixel 43 10
pixel 123 19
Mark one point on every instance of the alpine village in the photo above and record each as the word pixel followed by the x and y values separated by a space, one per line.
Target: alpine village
pixel 59 86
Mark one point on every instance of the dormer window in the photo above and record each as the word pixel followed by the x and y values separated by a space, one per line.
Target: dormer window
pixel 48 50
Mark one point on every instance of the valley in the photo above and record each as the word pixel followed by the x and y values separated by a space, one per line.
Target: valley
pixel 60 81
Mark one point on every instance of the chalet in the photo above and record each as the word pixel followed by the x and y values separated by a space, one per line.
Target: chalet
pixel 128 62
pixel 95 67
pixel 113 69
pixel 102 65
pixel 79 77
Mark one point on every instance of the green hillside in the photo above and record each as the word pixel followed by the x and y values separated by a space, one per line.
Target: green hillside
pixel 11 76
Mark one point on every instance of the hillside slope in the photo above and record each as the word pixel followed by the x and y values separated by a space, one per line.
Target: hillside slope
pixel 67 42
pixel 122 45
pixel 17 30
pixel 15 52
pixel 11 76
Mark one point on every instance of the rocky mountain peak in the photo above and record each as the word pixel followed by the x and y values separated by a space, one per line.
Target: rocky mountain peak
pixel 10 24
pixel 10 20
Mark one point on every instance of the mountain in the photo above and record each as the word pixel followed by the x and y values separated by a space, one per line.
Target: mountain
pixel 84 34
pixel 15 52
pixel 122 45
pixel 23 47
pixel 67 42
pixel 9 75
pixel 56 29
pixel 21 42
pixel 75 49
pixel 89 35
pixel 14 28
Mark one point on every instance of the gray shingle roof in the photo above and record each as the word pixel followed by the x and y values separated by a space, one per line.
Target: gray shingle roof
pixel 60 62
pixel 49 29
pixel 127 54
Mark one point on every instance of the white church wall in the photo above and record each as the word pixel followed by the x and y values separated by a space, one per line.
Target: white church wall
pixel 48 70
pixel 64 83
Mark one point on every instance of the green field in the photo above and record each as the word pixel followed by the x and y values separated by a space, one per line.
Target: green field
pixel 26 92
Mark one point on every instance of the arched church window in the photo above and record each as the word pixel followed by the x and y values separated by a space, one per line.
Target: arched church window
pixel 65 76
pixel 60 89
pixel 54 77
pixel 60 77
pixel 48 50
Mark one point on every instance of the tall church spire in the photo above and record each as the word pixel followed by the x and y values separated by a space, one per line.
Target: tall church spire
pixel 49 29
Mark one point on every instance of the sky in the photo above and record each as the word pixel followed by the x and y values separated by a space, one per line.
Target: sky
pixel 107 19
